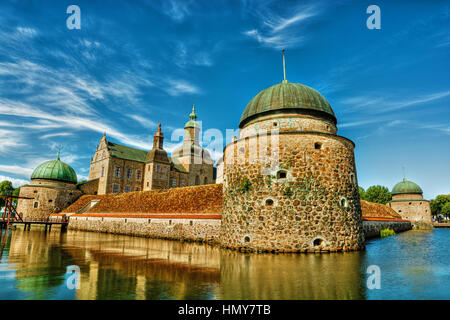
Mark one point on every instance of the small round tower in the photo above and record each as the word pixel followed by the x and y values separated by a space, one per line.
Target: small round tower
pixel 53 187
pixel 290 182
pixel 408 202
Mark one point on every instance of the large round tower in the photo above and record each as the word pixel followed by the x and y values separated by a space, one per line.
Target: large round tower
pixel 290 182
pixel 52 187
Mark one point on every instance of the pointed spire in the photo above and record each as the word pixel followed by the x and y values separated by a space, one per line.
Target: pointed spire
pixel 284 69
pixel 404 175
pixel 57 156
pixel 193 116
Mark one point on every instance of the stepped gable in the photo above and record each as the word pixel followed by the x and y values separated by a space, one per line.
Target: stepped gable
pixel 378 210
pixel 195 199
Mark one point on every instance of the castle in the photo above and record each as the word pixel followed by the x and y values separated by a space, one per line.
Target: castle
pixel 288 184
pixel 116 168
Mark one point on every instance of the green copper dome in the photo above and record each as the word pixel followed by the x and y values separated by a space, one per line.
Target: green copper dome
pixel 55 170
pixel 406 187
pixel 288 97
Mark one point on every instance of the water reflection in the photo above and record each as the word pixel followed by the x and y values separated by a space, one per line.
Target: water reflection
pixel 33 265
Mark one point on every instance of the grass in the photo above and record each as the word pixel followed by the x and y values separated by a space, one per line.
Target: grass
pixel 387 233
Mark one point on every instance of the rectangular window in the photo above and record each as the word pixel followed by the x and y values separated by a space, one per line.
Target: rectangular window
pixel 129 173
pixel 117 173
pixel 115 188
pixel 182 183
pixel 138 174
pixel 174 182
pixel 103 171
pixel 148 168
pixel 36 204
pixel 127 189
pixel 158 168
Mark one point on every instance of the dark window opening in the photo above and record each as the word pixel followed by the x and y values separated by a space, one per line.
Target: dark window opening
pixel 281 174
pixel 36 204
pixel 275 124
pixel 170 221
pixel 317 145
pixel 50 201
pixel 269 202
pixel 318 242
pixel 191 223
pixel 247 239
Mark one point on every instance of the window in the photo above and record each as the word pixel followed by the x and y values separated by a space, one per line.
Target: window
pixel 197 180
pixel 117 172
pixel 35 191
pixel 317 145
pixel 36 204
pixel 148 183
pixel 182 183
pixel 352 178
pixel 127 189
pixel 269 202
pixel 103 171
pixel 281 174
pixel 343 202
pixel 138 174
pixel 275 124
pixel 115 188
pixel 50 201
pixel 136 188
pixel 191 223
pixel 174 182
pixel 148 168
pixel 318 242
pixel 205 181
pixel 129 173
pixel 158 168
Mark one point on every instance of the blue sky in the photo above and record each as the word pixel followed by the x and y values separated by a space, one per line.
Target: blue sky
pixel 135 63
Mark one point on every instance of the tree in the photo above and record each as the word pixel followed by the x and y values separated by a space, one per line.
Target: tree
pixel 6 188
pixel 377 194
pixel 362 193
pixel 438 204
pixel 446 210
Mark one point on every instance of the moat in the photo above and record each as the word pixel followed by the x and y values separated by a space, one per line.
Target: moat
pixel 33 265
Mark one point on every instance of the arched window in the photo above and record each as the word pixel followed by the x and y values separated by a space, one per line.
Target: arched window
pixel 197 180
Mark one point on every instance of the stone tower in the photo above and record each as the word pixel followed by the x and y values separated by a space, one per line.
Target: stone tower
pixel 53 187
pixel 195 159
pixel 157 164
pixel 290 181
pixel 408 202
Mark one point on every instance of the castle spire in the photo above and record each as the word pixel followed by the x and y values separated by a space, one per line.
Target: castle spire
pixel 59 152
pixel 284 69
pixel 158 138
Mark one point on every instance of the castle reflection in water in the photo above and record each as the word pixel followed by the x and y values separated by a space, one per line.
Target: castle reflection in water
pixel 122 267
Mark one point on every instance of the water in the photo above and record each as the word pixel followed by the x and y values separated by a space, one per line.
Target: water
pixel 33 265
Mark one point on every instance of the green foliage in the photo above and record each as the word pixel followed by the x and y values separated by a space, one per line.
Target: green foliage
pixel 362 193
pixel 6 188
pixel 387 233
pixel 244 185
pixel 438 204
pixel 377 194
pixel 446 209
pixel 288 192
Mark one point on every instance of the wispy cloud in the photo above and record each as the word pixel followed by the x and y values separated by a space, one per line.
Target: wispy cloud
pixel 143 121
pixel 179 87
pixel 282 30
pixel 177 9
pixel 15 182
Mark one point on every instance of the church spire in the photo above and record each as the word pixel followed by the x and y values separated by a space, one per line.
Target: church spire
pixel 158 138
pixel 284 68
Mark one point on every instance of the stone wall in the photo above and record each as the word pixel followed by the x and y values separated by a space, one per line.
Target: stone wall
pixel 47 197
pixel 372 228
pixel 315 207
pixel 184 227
pixel 418 211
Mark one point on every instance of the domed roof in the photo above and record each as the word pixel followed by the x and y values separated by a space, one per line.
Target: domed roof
pixel 406 186
pixel 192 123
pixel 288 97
pixel 55 170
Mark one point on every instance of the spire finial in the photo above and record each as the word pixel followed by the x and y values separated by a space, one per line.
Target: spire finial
pixel 404 175
pixel 284 68
pixel 59 152
pixel 193 116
